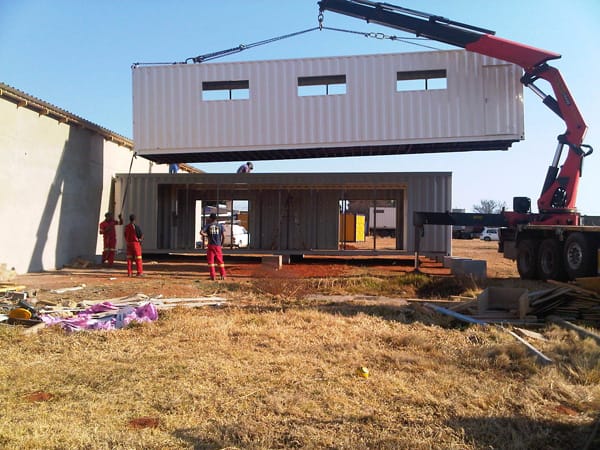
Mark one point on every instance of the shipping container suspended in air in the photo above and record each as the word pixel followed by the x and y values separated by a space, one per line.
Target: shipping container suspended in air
pixel 400 103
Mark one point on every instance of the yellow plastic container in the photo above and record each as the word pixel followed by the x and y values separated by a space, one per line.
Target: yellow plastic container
pixel 362 372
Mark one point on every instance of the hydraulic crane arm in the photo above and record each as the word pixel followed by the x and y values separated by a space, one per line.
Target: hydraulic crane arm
pixel 472 38
pixel 559 192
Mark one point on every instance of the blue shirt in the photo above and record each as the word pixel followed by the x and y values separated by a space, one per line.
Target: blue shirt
pixel 215 232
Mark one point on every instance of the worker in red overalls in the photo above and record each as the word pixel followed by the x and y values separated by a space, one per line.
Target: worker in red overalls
pixel 134 238
pixel 109 234
pixel 215 233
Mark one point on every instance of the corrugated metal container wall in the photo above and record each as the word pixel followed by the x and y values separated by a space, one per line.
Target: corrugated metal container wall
pixel 294 220
pixel 141 199
pixel 434 194
pixel 482 101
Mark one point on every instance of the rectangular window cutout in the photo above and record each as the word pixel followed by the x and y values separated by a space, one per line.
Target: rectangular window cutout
pixel 225 90
pixel 322 85
pixel 421 80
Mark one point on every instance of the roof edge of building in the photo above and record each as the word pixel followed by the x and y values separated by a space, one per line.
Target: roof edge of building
pixel 22 99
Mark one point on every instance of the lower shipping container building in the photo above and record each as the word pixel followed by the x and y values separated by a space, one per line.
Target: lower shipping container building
pixel 287 213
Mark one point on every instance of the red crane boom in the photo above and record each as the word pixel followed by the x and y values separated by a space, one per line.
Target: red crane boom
pixel 557 201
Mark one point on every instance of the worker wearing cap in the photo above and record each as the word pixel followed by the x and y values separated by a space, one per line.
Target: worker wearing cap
pixel 246 168
pixel 109 234
pixel 215 233
pixel 134 238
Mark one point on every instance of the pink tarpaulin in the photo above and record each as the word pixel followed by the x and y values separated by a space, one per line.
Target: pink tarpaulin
pixel 105 316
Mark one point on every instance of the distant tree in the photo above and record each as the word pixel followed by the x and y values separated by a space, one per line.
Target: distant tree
pixel 489 207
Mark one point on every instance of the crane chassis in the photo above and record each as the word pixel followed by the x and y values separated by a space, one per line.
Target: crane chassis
pixel 551 244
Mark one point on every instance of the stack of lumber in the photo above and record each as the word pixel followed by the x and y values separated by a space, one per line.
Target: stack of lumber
pixel 568 301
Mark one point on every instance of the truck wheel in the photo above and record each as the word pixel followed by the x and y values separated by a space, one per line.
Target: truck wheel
pixel 579 256
pixel 550 264
pixel 527 259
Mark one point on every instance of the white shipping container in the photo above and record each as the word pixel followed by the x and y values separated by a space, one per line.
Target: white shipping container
pixel 335 106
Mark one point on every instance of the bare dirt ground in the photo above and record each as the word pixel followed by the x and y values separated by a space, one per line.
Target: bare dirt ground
pixel 179 276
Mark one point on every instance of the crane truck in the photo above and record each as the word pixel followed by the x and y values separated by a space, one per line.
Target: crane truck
pixel 550 244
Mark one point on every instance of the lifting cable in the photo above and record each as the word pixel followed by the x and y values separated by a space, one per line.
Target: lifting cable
pixel 241 47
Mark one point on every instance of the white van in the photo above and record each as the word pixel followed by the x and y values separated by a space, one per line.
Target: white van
pixel 490 234
pixel 239 237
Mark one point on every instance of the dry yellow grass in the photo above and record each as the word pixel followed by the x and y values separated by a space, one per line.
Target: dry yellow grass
pixel 275 371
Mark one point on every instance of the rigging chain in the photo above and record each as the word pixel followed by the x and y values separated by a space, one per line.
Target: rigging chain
pixel 241 47
pixel 407 40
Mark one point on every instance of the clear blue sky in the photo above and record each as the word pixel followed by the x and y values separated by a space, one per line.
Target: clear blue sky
pixel 77 56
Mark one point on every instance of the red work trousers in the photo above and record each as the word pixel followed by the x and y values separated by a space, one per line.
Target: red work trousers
pixel 134 251
pixel 214 256
pixel 110 244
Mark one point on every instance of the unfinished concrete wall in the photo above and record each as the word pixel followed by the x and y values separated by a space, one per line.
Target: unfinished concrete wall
pixel 56 183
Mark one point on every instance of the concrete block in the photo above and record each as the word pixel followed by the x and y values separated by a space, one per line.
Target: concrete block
pixel 447 262
pixel 455 264
pixel 272 261
pixel 473 267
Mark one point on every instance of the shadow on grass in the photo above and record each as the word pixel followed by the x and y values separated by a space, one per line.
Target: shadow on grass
pixel 525 433
pixel 192 437
pixel 519 433
pixel 486 432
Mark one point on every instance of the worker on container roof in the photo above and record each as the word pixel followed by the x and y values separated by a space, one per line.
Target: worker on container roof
pixel 246 168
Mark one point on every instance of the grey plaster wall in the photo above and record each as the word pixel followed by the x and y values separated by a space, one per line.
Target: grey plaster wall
pixel 55 186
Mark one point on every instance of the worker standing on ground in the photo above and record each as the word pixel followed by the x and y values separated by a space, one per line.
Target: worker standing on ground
pixel 246 168
pixel 215 232
pixel 134 238
pixel 109 234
